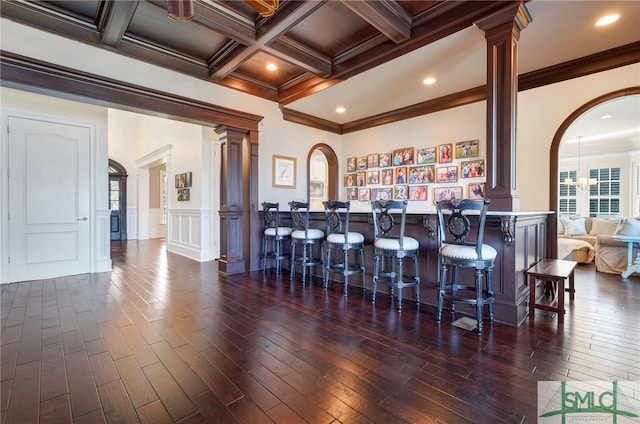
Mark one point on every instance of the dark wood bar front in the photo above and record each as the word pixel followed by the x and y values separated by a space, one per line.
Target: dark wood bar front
pixel 519 237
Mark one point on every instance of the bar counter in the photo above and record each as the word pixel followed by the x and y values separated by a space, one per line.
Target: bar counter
pixel 519 237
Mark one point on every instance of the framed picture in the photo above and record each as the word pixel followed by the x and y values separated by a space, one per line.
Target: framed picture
pixel 350 180
pixel 364 194
pixel 446 193
pixel 472 169
pixel 373 160
pixel 400 175
pixel 361 163
pixel 352 193
pixel 445 153
pixel 351 164
pixel 373 177
pixel 426 155
pixel 403 156
pixel 418 192
pixel 422 174
pixel 467 149
pixel 447 174
pixel 383 193
pixel 401 192
pixel 316 189
pixel 476 190
pixel 183 180
pixel 361 178
pixel 387 177
pixel 284 172
pixel 385 160
pixel 184 194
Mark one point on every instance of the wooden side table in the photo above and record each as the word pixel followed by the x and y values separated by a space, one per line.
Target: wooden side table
pixel 557 271
pixel 631 265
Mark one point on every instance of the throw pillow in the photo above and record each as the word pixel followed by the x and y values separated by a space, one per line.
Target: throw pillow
pixel 628 227
pixel 604 226
pixel 573 227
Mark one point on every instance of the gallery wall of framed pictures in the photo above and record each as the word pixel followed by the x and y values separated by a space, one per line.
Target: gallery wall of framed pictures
pixel 446 171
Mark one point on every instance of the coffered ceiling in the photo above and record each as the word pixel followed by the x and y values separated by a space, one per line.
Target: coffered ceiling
pixel 368 56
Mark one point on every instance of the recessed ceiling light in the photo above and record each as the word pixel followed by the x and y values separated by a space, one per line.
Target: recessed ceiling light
pixel 605 117
pixel 272 67
pixel 341 109
pixel 429 81
pixel 606 20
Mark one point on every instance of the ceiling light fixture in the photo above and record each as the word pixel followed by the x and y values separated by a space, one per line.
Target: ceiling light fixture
pixel 180 10
pixel 341 109
pixel 272 67
pixel 429 81
pixel 606 20
pixel 581 182
pixel 265 8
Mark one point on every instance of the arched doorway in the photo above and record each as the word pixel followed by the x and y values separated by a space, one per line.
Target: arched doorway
pixel 118 200
pixel 322 175
pixel 554 169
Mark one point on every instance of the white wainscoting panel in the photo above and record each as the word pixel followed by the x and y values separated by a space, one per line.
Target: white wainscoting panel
pixel 132 223
pixel 102 262
pixel 156 228
pixel 185 238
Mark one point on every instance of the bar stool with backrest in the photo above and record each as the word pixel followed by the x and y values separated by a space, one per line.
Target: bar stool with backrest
pixel 341 240
pixel 307 244
pixel 390 243
pixel 273 237
pixel 457 252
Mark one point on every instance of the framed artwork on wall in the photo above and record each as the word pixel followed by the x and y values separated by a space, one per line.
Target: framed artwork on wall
pixel 184 194
pixel 284 172
pixel 445 154
pixel 383 193
pixel 447 193
pixel 401 192
pixel 385 160
pixel 405 156
pixel 361 163
pixel 352 193
pixel 418 192
pixel 373 177
pixel 351 165
pixel 472 169
pixel 426 155
pixel 467 149
pixel 364 194
pixel 447 174
pixel 476 191
pixel 423 174
pixel 373 160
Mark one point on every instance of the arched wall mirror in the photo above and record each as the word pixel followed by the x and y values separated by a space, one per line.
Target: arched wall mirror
pixel 598 160
pixel 322 175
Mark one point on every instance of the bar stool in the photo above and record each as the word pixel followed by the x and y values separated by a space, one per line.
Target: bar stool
pixel 391 242
pixel 273 236
pixel 308 239
pixel 340 239
pixel 456 252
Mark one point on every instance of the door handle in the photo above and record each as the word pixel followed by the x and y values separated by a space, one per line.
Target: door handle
pixel 82 219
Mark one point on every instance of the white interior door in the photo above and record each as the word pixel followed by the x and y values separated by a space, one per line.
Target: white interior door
pixel 49 199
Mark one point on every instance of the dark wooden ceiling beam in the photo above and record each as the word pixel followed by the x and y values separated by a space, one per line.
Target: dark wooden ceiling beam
pixel 288 16
pixel 114 20
pixel 386 16
pixel 291 51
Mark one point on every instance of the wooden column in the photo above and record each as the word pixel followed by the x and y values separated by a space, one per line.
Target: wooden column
pixel 233 222
pixel 255 220
pixel 502 32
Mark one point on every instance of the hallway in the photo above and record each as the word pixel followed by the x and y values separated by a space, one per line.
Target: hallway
pixel 163 338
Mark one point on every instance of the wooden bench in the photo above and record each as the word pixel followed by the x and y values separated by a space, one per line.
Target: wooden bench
pixel 556 271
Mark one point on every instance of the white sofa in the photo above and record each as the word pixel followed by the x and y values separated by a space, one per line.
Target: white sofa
pixel 576 234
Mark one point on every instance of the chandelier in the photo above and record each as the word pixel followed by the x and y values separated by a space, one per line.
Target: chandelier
pixel 581 183
pixel 265 8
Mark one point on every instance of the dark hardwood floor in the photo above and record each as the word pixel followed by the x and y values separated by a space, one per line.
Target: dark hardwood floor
pixel 165 339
